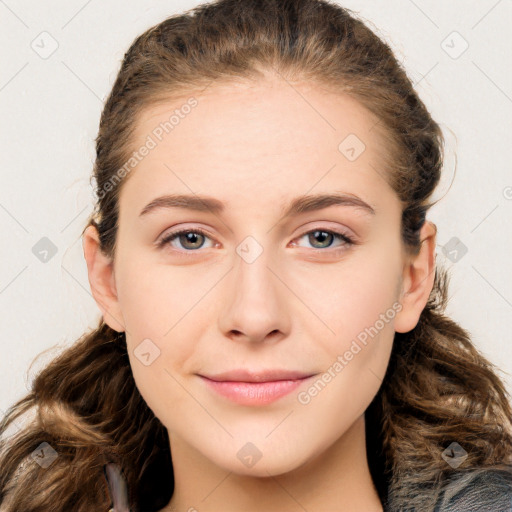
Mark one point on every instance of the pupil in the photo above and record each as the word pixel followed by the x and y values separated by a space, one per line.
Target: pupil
pixel 318 234
pixel 190 237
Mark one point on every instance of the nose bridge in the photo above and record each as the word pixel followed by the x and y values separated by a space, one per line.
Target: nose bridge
pixel 253 275
pixel 255 303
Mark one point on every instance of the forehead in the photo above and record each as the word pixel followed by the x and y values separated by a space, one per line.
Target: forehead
pixel 274 112
pixel 257 139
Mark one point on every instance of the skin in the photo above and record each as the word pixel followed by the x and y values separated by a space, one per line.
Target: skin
pixel 255 147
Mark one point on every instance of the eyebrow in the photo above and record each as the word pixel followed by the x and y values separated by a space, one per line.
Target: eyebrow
pixel 301 204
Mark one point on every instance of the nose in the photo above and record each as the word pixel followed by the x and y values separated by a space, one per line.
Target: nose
pixel 256 305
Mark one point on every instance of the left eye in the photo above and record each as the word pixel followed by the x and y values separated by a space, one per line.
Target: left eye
pixel 194 238
pixel 326 235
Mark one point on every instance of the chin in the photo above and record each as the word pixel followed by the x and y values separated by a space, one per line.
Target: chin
pixel 250 460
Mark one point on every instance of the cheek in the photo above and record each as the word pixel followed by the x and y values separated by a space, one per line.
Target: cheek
pixel 154 298
pixel 359 314
pixel 159 328
pixel 354 294
pixel 156 370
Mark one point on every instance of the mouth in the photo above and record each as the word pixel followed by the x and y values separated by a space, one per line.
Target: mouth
pixel 254 393
pixel 268 375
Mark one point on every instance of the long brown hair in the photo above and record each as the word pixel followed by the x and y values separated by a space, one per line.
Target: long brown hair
pixel 438 388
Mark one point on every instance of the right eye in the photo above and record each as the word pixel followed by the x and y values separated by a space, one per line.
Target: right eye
pixel 186 236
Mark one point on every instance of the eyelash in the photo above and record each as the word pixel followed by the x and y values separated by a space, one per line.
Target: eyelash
pixel 348 241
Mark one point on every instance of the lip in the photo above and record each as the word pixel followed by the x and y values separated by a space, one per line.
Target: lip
pixel 254 393
pixel 245 375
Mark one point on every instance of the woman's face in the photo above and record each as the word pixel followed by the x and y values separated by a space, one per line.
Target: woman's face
pixel 267 286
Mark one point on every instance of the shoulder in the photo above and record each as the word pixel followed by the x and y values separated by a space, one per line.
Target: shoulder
pixel 478 490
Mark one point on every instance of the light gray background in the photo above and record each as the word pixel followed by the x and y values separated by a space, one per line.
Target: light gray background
pixel 51 105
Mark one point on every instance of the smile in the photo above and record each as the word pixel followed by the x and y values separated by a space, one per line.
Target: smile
pixel 254 393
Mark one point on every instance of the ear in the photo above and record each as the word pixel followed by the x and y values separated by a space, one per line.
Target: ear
pixel 417 280
pixel 100 269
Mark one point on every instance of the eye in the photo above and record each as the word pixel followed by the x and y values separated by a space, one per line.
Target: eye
pixel 193 239
pixel 325 238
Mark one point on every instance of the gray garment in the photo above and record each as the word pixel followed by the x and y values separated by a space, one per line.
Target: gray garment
pixel 477 490
pixel 117 487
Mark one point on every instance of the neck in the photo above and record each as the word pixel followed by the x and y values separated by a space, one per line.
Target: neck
pixel 337 479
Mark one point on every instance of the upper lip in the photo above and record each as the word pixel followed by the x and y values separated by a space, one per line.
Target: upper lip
pixel 244 375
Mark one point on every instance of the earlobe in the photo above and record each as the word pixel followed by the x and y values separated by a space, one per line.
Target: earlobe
pixel 100 271
pixel 417 280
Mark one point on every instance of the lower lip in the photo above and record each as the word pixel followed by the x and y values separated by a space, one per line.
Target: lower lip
pixel 254 393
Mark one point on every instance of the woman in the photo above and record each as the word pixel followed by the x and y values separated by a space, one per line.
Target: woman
pixel 272 312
